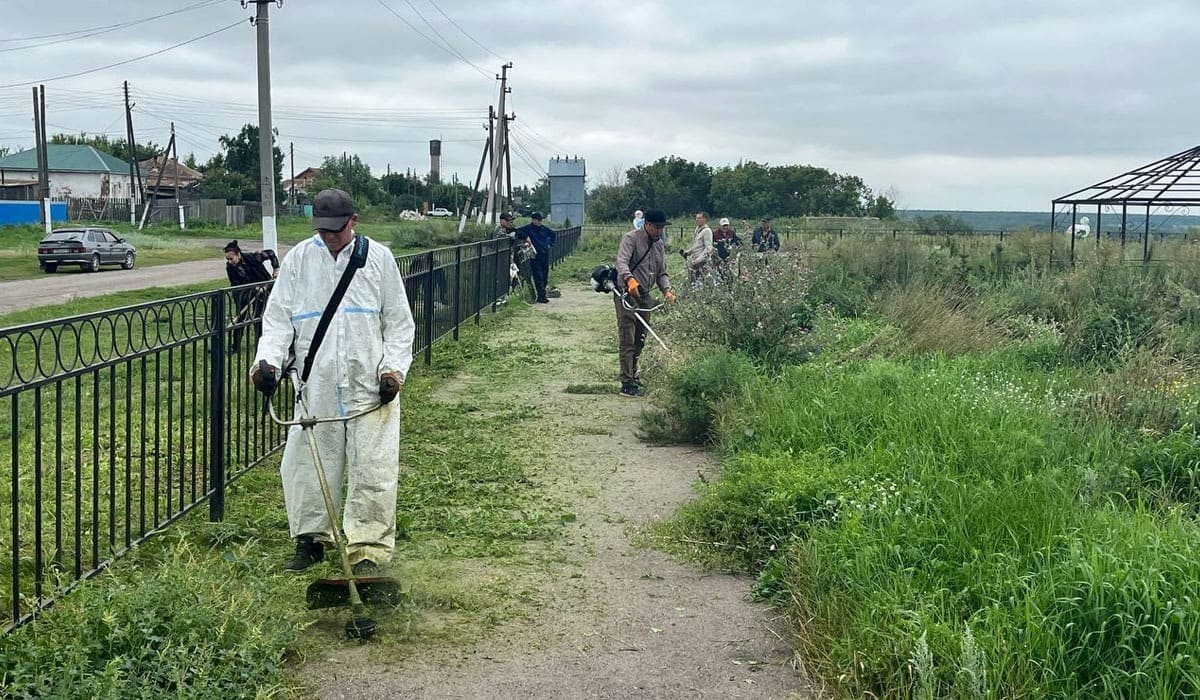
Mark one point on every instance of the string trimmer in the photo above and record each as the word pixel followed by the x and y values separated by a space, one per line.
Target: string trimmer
pixel 604 280
pixel 355 591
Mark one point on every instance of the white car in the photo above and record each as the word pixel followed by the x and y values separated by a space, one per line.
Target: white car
pixel 440 211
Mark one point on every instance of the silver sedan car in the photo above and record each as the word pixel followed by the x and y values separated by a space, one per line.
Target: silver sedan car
pixel 89 248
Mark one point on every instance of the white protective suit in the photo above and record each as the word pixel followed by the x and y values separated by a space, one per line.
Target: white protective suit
pixel 371 333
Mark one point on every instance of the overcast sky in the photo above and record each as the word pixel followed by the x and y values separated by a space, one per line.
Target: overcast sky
pixel 956 104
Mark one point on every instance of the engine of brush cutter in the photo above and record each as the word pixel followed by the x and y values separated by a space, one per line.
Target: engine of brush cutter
pixel 604 278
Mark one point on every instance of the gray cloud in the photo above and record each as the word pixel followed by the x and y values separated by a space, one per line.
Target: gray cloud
pixel 982 104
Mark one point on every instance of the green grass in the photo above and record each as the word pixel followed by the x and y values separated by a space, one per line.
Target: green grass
pixel 204 611
pixel 985 486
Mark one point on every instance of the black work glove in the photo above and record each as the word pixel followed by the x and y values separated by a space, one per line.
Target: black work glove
pixel 389 386
pixel 265 378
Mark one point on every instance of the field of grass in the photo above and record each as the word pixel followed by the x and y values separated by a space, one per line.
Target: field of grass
pixel 965 477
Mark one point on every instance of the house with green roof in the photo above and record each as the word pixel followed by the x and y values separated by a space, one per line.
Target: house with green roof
pixel 75 171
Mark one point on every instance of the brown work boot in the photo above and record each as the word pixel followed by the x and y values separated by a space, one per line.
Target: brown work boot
pixel 308 552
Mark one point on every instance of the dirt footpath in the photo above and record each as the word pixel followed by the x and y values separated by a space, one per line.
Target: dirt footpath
pixel 616 619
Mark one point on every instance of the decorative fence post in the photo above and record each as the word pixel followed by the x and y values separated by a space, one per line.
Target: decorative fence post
pixel 216 418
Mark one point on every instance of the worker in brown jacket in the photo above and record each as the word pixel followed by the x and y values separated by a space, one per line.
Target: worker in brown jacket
pixel 641 264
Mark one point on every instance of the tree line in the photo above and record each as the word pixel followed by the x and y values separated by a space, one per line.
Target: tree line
pixel 746 190
pixel 678 186
pixel 232 175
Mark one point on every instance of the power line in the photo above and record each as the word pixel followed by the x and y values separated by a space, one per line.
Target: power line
pixel 126 61
pixel 436 33
pixel 464 32
pixel 446 48
pixel 97 31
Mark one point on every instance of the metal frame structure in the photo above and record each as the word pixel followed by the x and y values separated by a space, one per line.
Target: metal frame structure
pixel 1172 182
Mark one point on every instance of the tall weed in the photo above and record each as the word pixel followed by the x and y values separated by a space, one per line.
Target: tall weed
pixel 696 390
pixel 765 313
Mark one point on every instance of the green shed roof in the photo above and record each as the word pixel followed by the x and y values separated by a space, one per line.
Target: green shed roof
pixel 64 158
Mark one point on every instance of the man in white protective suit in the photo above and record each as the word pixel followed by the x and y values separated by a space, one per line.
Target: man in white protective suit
pixel 362 361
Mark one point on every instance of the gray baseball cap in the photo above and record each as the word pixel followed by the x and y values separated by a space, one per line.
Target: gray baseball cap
pixel 332 208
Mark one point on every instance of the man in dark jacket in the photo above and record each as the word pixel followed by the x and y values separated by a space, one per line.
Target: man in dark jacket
pixel 248 268
pixel 542 239
pixel 765 239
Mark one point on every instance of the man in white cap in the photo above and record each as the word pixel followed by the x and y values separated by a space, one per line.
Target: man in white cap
pixel 362 361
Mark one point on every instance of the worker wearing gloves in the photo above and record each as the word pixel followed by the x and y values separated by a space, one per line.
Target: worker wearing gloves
pixel 641 264
pixel 362 361
pixel 698 253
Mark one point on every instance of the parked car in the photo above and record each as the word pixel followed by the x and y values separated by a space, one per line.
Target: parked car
pixel 440 211
pixel 89 248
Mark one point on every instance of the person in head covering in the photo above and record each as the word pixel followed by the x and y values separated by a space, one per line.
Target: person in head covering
pixel 542 238
pixel 641 264
pixel 362 363
pixel 764 239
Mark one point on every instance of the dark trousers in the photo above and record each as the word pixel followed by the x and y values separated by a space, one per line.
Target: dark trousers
pixel 250 308
pixel 540 267
pixel 632 338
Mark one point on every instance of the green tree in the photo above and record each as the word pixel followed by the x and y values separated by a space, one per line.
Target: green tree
pixel 610 203
pixel 114 147
pixel 675 185
pixel 942 223
pixel 882 207
pixel 233 187
pixel 239 154
pixel 753 189
pixel 538 198
pixel 351 174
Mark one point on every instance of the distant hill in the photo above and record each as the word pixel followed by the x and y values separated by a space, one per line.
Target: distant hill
pixel 1040 220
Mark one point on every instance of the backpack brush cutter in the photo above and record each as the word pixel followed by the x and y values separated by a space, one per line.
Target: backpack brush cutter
pixel 355 591
pixel 604 280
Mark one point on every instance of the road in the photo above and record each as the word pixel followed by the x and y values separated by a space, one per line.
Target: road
pixel 68 286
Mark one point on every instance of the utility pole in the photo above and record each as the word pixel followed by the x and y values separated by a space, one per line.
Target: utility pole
pixel 498 140
pixel 175 159
pixel 130 152
pixel 292 160
pixel 266 135
pixel 43 158
pixel 158 181
pixel 45 178
pixel 508 162
pixel 489 154
pixel 462 221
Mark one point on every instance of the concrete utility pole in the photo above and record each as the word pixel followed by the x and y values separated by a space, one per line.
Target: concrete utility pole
pixel 499 138
pixel 489 154
pixel 266 136
pixel 43 156
pixel 132 160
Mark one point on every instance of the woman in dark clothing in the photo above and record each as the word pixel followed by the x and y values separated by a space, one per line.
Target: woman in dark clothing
pixel 248 268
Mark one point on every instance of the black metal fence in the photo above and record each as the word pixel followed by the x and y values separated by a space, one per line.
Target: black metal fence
pixel 118 423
